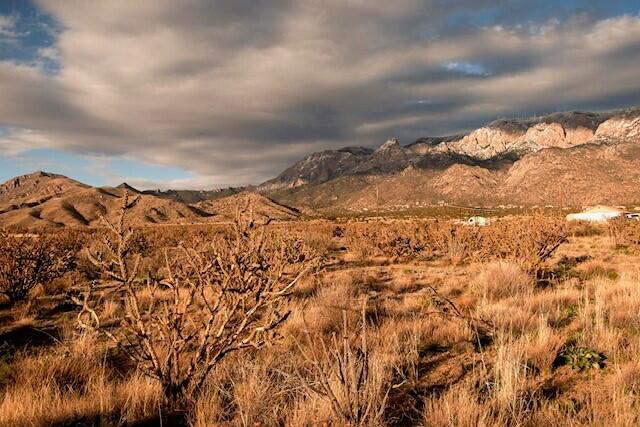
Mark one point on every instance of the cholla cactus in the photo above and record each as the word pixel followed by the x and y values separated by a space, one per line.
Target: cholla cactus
pixel 213 300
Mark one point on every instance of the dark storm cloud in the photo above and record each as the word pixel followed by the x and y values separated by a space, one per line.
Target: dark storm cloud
pixel 236 91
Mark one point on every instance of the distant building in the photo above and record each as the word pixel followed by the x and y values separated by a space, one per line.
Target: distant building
pixel 596 214
pixel 478 221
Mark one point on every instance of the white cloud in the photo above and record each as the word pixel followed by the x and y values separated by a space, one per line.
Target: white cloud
pixel 236 91
pixel 8 32
pixel 49 53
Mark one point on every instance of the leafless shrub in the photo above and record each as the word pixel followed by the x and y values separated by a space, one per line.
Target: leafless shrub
pixel 407 240
pixel 211 302
pixel 586 229
pixel 361 242
pixel 624 233
pixel 456 243
pixel 527 241
pixel 26 261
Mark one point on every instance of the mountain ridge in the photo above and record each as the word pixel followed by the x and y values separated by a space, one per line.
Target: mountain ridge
pixel 571 158
pixel 493 144
pixel 49 200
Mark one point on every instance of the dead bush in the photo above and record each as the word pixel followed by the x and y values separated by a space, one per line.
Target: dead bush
pixel 457 243
pixel 211 302
pixel 402 241
pixel 625 233
pixel 529 242
pixel 586 229
pixel 29 260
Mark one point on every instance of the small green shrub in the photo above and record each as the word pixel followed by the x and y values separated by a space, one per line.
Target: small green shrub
pixel 571 311
pixel 579 358
pixel 600 271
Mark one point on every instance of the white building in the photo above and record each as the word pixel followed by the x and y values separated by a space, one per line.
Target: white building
pixel 478 221
pixel 596 214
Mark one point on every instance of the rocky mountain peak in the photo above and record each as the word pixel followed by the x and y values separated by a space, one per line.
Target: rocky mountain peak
pixel 497 144
pixel 39 174
pixel 391 144
pixel 129 188
pixel 29 180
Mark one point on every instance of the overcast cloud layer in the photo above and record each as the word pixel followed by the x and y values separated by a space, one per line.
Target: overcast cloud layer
pixel 235 91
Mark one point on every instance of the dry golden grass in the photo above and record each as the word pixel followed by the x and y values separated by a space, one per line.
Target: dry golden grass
pixel 73 383
pixel 500 279
pixel 322 311
pixel 465 327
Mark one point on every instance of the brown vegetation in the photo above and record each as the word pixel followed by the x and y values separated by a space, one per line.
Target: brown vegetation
pixel 26 261
pixel 529 241
pixel 523 322
pixel 212 300
pixel 625 234
pixel 353 382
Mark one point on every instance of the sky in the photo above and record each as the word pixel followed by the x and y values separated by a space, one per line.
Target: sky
pixel 206 94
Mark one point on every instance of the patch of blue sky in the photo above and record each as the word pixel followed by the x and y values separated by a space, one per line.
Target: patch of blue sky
pixel 28 35
pixel 93 170
pixel 467 68
pixel 515 12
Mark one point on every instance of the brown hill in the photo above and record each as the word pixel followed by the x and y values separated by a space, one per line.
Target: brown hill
pixel 34 189
pixel 48 200
pixel 262 207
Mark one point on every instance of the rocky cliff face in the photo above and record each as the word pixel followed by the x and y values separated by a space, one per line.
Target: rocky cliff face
pixel 620 127
pixel 318 167
pixel 489 146
pixel 562 158
pixel 517 137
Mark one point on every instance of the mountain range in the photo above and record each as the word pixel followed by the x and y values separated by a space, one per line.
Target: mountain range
pixel 569 159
